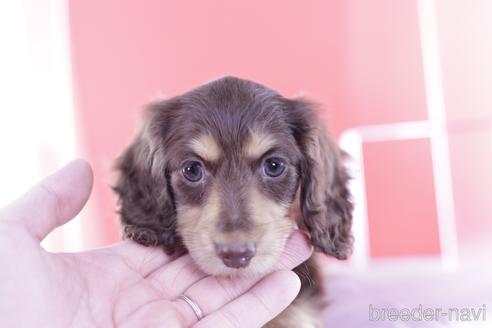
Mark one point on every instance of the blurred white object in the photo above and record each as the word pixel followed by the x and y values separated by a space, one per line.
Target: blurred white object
pixel 37 125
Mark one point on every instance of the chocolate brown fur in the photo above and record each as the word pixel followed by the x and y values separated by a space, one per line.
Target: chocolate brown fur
pixel 235 124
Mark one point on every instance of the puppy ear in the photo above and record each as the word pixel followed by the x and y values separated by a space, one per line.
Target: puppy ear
pixel 325 199
pixel 147 210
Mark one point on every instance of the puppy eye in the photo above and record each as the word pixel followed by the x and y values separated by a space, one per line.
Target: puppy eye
pixel 193 171
pixel 273 167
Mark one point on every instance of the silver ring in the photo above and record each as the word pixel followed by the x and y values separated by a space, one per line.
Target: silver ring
pixel 193 305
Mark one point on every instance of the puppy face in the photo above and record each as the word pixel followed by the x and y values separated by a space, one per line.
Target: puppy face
pixel 215 172
pixel 233 195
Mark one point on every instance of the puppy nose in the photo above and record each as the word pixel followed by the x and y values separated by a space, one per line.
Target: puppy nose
pixel 236 255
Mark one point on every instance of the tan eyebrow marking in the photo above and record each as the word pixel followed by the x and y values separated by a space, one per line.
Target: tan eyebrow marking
pixel 206 147
pixel 258 144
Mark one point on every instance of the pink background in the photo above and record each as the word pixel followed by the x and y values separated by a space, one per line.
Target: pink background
pixel 361 59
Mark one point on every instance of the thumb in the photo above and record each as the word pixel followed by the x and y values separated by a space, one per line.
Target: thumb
pixel 52 202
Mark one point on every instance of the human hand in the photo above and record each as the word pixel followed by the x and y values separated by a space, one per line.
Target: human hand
pixel 125 284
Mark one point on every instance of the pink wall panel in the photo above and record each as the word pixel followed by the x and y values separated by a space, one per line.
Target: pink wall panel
pixel 402 214
pixel 471 158
pixel 381 76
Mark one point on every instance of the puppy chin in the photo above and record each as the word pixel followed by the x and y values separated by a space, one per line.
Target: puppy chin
pixel 259 266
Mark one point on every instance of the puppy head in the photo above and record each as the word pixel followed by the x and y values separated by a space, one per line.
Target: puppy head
pixel 215 172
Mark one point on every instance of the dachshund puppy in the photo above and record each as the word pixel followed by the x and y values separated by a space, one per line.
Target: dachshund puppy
pixel 219 171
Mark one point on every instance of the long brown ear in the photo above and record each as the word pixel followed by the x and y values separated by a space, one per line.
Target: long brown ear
pixel 325 199
pixel 147 210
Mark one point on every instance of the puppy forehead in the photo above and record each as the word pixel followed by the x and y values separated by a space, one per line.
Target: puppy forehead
pixel 253 144
pixel 206 146
pixel 257 143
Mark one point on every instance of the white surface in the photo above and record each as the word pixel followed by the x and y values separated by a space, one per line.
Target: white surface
pixel 405 284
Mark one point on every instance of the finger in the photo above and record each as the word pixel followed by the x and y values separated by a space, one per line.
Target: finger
pixel 52 202
pixel 154 314
pixel 141 259
pixel 257 306
pixel 226 289
pixel 174 278
pixel 128 256
pixel 297 250
pixel 144 292
pixel 177 277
